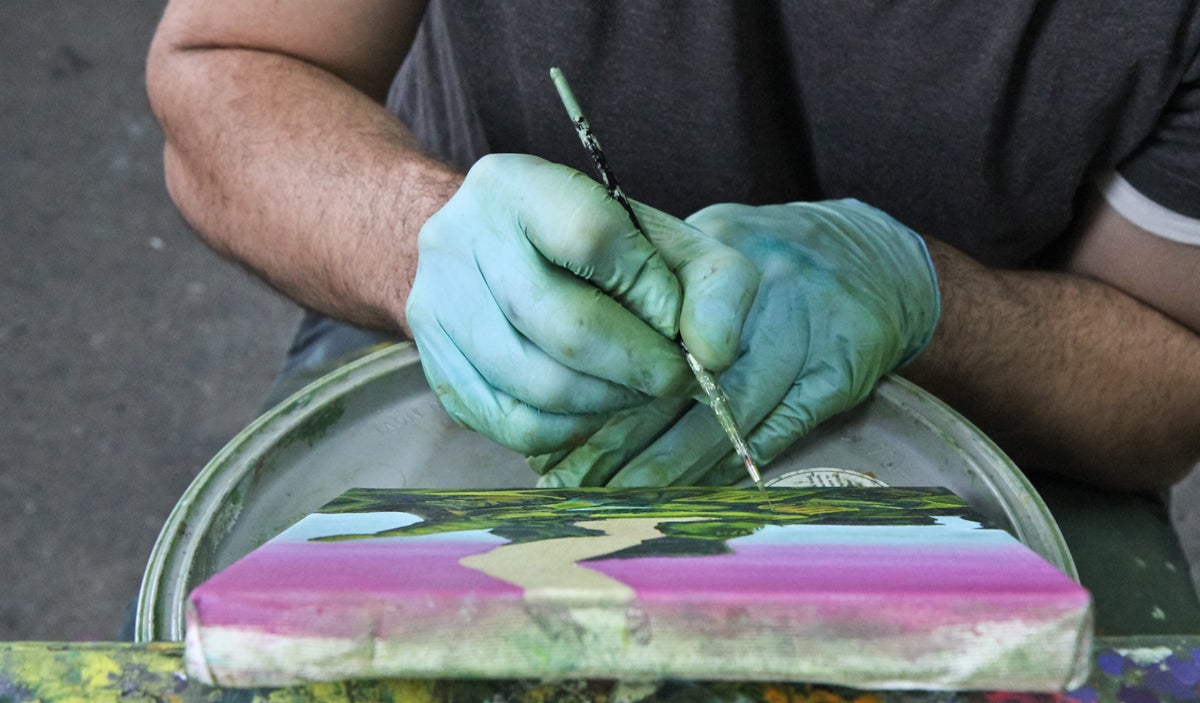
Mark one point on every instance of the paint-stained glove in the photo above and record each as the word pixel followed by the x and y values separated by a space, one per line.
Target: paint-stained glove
pixel 540 310
pixel 847 294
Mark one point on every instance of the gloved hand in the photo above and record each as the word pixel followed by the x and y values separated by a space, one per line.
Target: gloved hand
pixel 540 310
pixel 847 294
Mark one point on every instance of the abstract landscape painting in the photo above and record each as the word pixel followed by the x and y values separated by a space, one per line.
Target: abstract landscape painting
pixel 867 587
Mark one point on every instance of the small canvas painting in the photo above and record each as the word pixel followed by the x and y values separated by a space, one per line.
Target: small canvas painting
pixel 866 587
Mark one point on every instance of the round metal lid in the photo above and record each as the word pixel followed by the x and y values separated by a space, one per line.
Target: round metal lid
pixel 375 424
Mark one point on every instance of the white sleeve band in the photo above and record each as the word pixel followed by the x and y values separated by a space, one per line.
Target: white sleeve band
pixel 1146 213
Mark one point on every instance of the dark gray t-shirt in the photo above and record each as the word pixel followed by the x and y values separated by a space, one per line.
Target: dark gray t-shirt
pixel 983 123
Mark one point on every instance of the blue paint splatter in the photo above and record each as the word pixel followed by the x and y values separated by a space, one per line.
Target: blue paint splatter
pixel 1111 663
pixel 1188 672
pixel 1136 694
pixel 1165 681
pixel 10 691
pixel 1083 694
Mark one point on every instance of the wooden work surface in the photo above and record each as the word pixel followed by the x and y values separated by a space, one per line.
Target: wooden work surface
pixel 1125 670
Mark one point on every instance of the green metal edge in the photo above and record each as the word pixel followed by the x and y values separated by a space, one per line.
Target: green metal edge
pixel 213 486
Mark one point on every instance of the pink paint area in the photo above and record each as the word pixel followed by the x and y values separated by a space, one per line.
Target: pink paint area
pixel 798 571
pixel 912 589
pixel 346 566
pixel 923 575
pixel 912 578
pixel 313 587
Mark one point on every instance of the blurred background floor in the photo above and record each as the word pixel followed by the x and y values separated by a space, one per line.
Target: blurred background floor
pixel 130 353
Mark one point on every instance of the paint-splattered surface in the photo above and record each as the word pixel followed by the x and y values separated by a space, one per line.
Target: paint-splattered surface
pixel 879 588
pixel 1126 670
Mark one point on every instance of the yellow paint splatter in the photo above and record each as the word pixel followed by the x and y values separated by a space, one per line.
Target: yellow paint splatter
pixel 98 671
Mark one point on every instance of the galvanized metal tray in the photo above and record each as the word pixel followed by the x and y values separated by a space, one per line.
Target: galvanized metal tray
pixel 376 424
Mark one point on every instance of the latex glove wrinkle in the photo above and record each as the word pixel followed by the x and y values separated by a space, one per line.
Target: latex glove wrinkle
pixel 847 294
pixel 540 310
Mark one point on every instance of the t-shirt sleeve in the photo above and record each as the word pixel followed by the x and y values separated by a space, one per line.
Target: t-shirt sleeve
pixel 1145 212
pixel 1158 186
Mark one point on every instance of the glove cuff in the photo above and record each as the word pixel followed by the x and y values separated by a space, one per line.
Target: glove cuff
pixel 907 260
pixel 934 311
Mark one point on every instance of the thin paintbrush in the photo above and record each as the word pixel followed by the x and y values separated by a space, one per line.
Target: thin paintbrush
pixel 716 396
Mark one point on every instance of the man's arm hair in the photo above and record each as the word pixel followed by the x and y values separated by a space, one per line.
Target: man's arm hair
pixel 280 154
pixel 1092 371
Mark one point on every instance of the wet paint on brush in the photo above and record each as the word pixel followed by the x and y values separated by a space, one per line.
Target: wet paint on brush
pixel 717 399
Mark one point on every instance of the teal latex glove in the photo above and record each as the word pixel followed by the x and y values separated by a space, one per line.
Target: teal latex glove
pixel 847 294
pixel 540 310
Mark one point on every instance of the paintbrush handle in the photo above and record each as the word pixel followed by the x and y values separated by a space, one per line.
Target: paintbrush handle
pixel 717 399
pixel 584 130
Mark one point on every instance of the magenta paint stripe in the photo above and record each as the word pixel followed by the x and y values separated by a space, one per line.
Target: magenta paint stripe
pixel 313 589
pixel 778 569
pixel 378 568
pixel 839 568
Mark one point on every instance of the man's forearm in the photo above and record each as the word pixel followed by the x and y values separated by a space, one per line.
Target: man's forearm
pixel 297 175
pixel 1066 373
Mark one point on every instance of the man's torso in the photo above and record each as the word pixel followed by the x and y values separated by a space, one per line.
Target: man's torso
pixel 982 124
